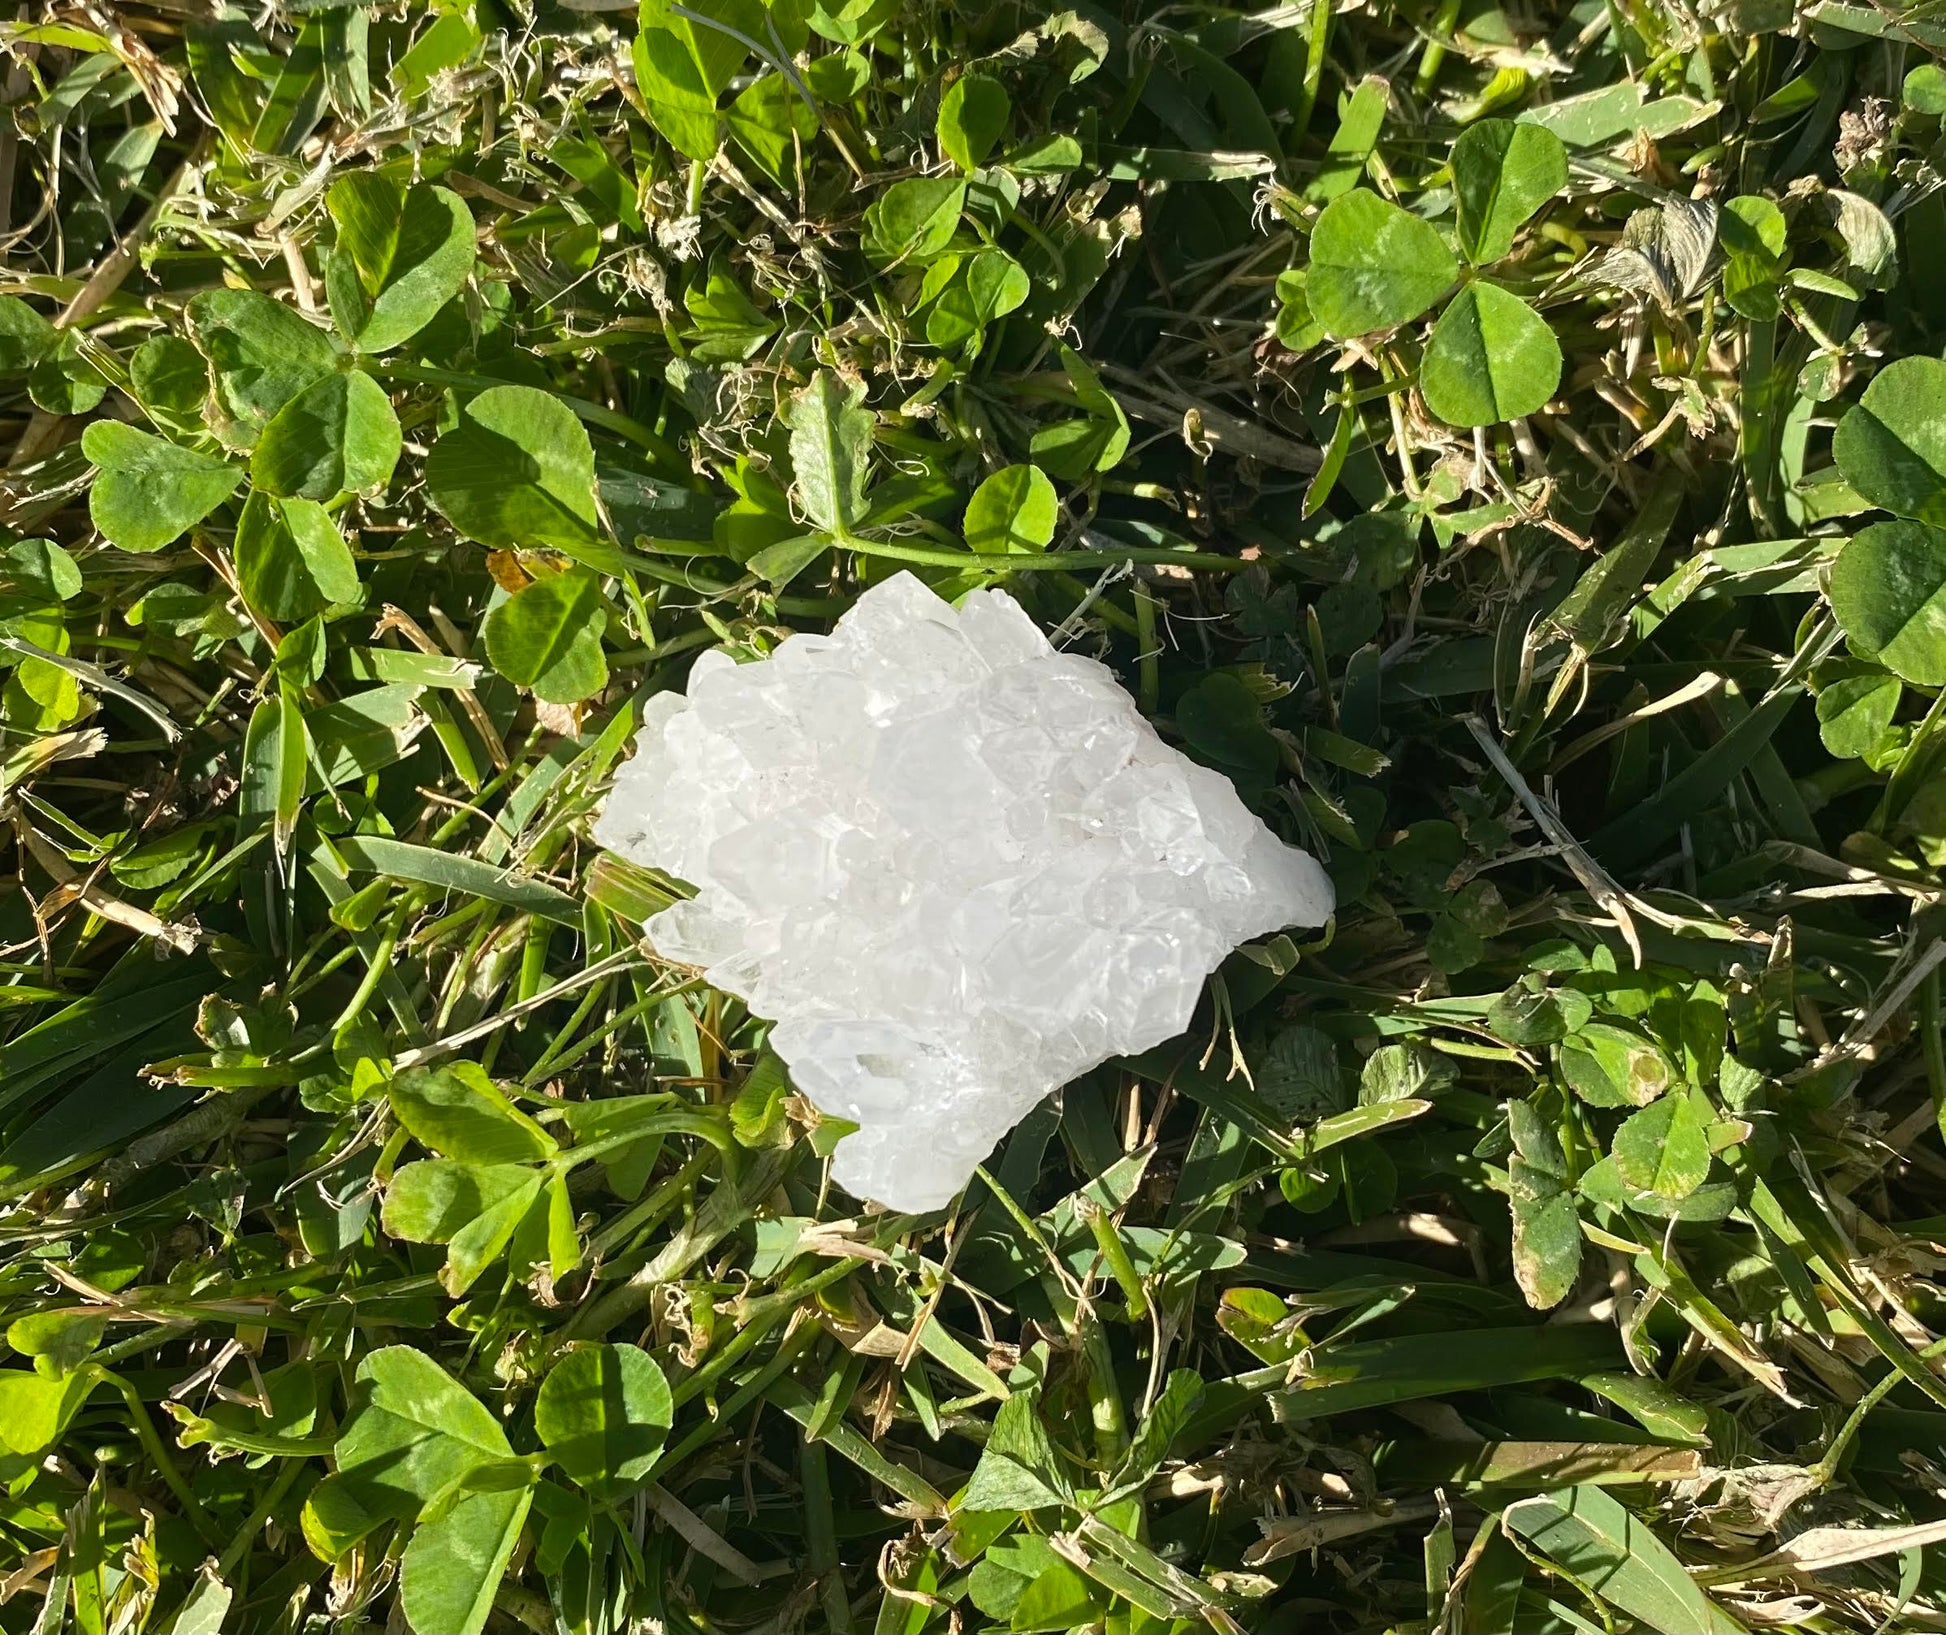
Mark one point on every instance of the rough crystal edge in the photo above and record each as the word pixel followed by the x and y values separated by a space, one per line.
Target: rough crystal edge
pixel 1303 897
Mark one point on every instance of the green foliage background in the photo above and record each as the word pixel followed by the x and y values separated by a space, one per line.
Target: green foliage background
pixel 1510 443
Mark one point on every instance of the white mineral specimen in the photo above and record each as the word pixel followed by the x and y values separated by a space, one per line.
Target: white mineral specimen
pixel 955 867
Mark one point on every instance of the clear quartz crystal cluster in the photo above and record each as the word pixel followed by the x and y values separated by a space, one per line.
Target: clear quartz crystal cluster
pixel 954 866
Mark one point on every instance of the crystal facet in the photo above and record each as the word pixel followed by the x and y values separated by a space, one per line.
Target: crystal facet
pixel 953 866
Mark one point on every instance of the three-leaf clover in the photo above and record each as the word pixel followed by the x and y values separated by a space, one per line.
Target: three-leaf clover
pixel 1375 266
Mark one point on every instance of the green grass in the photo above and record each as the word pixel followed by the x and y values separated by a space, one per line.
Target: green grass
pixel 395 399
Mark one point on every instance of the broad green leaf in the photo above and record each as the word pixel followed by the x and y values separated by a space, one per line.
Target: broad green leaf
pixel 1405 1072
pixel 416 1430
pixel 1530 1013
pixel 973 116
pixel 170 379
pixel 1005 1570
pixel 757 1114
pixel 43 568
pixel 1592 1536
pixel 1013 510
pixel 35 1410
pixel 1608 1066
pixel 65 380
pixel 838 76
pixel 455 1564
pixel 1491 358
pixel 1751 287
pixel 1664 1148
pixel 1298 330
pixel 335 1516
pixel 1059 1598
pixel 1547 1238
pixel 483 1240
pixel 337 436
pixel 41 695
pixel 517 472
pixel 849 22
pixel 547 637
pixel 1222 721
pixel 990 285
pixel 546 1236
pixel 730 327
pixel 1535 1139
pixel 156 862
pixel 603 1412
pixel 681 106
pixel 1502 174
pixel 433 1199
pixel 1018 1468
pixel 368 207
pixel 401 255
pixel 1754 223
pixel 772 123
pixel 1054 154
pixel 831 440
pixel 913 221
pixel 301 654
pixel 1000 1483
pixel 148 492
pixel 291 561
pixel 1373 266
pixel 1888 590
pixel 1298 1073
pixel 208 1605
pixel 446 43
pixel 1598 118
pixel 1924 90
pixel 1261 1323
pixel 64 1338
pixel 1457 939
pixel 1892 445
pixel 1355 1123
pixel 709 30
pixel 782 562
pixel 261 355
pixel 460 1113
pixel 640 505
pixel 1864 231
pixel 1076 448
pixel 25 336
pixel 1856 712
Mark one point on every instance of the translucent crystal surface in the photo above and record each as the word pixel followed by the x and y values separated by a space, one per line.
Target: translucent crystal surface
pixel 954 866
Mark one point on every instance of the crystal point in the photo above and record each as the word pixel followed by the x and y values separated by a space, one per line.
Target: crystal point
pixel 953 866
